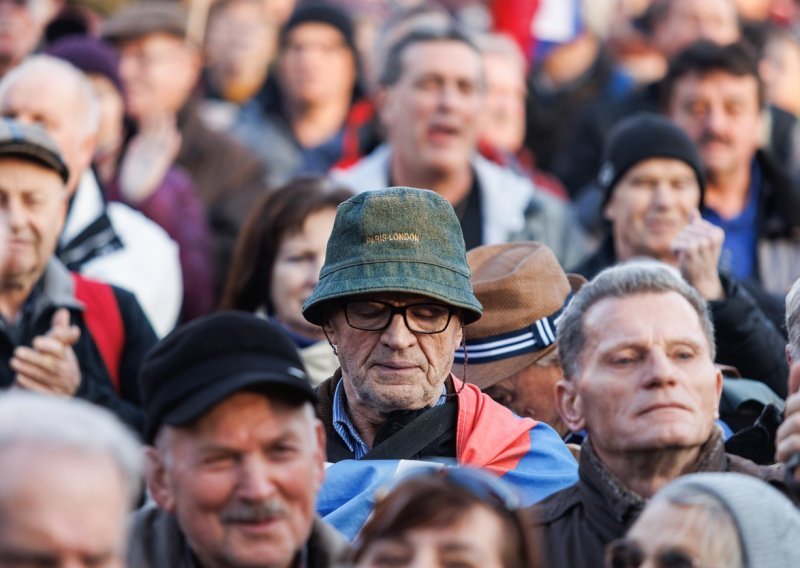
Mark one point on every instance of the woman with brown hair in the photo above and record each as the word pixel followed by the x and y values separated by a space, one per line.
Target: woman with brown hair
pixel 453 516
pixel 277 261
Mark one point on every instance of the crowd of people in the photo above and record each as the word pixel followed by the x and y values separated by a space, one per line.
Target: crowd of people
pixel 368 283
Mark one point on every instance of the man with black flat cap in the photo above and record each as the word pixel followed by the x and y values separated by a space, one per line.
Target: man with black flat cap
pixel 237 453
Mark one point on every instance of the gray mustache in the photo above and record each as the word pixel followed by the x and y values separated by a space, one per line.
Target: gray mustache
pixel 253 513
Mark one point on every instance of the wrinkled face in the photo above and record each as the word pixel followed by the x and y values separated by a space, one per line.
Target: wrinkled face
pixel 242 480
pixel 668 530
pixel 646 379
pixel 688 21
pixel 531 392
pixel 296 271
pixel 61 508
pixel 650 205
pixel 316 65
pixel 721 113
pixel 62 110
pixel 33 198
pixel 443 547
pixel 393 369
pixel 158 72
pixel 22 24
pixel 504 106
pixel 432 113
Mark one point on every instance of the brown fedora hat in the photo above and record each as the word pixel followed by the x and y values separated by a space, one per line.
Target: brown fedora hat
pixel 523 290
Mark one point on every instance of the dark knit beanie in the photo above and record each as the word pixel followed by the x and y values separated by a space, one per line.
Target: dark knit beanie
pixel 90 55
pixel 324 13
pixel 641 137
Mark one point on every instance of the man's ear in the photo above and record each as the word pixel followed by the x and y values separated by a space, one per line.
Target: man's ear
pixel 788 352
pixel 157 482
pixel 719 385
pixel 384 104
pixel 570 405
pixel 609 212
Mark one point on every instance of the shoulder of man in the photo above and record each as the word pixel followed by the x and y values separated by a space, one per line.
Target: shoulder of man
pixel 155 539
pixel 558 507
pixel 326 546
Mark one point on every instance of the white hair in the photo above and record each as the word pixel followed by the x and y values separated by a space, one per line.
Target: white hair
pixel 793 320
pixel 60 74
pixel 52 423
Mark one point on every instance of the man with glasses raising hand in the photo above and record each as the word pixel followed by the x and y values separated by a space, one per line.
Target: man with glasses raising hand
pixel 392 298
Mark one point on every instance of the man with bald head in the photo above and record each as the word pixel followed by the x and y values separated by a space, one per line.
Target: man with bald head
pixel 109 242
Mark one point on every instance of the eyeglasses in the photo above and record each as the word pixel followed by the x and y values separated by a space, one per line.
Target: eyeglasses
pixel 373 315
pixel 626 553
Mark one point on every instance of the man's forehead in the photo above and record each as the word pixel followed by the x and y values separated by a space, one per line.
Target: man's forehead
pixel 615 319
pixel 414 63
pixel 717 80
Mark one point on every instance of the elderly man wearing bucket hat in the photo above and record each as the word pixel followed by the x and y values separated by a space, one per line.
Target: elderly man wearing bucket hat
pixel 511 350
pixel 392 298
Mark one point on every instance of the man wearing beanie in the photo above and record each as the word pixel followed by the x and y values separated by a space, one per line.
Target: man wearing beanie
pixel 236 454
pixel 653 181
pixel 511 350
pixel 392 298
pixel 297 126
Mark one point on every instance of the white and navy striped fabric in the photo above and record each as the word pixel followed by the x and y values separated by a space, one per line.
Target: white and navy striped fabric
pixel 535 337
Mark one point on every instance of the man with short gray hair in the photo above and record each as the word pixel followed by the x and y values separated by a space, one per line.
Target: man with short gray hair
pixel 430 100
pixel 71 473
pixel 637 349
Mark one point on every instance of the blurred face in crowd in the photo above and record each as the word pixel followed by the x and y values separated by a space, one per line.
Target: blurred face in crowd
pixel 432 113
pixel 315 65
pixel 242 480
pixel 34 200
pixel 667 532
pixel 22 24
pixel 395 368
pixel 54 100
pixel 296 271
pixel 443 547
pixel 780 71
pixel 531 392
pixel 722 114
pixel 650 205
pixel 158 71
pixel 61 508
pixel 240 45
pixel 504 106
pixel 112 114
pixel 686 21
pixel 646 380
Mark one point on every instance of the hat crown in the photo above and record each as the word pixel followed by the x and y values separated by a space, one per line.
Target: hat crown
pixel 396 224
pixel 517 284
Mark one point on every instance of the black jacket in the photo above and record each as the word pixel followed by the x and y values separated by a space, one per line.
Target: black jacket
pixel 746 338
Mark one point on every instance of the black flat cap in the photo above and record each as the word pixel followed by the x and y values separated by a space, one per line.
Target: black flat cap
pixel 202 363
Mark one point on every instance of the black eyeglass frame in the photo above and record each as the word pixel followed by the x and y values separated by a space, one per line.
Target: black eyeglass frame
pixel 402 310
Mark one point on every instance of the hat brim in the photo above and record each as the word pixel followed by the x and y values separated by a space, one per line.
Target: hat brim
pixel 440 283
pixel 192 407
pixel 485 375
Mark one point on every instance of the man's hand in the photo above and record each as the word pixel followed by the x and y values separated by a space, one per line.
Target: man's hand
pixel 698 247
pixel 50 365
pixel 787 442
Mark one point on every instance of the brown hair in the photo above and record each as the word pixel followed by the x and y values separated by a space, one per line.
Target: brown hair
pixel 277 214
pixel 433 501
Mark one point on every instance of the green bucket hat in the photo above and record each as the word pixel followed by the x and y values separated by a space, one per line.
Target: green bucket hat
pixel 397 239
